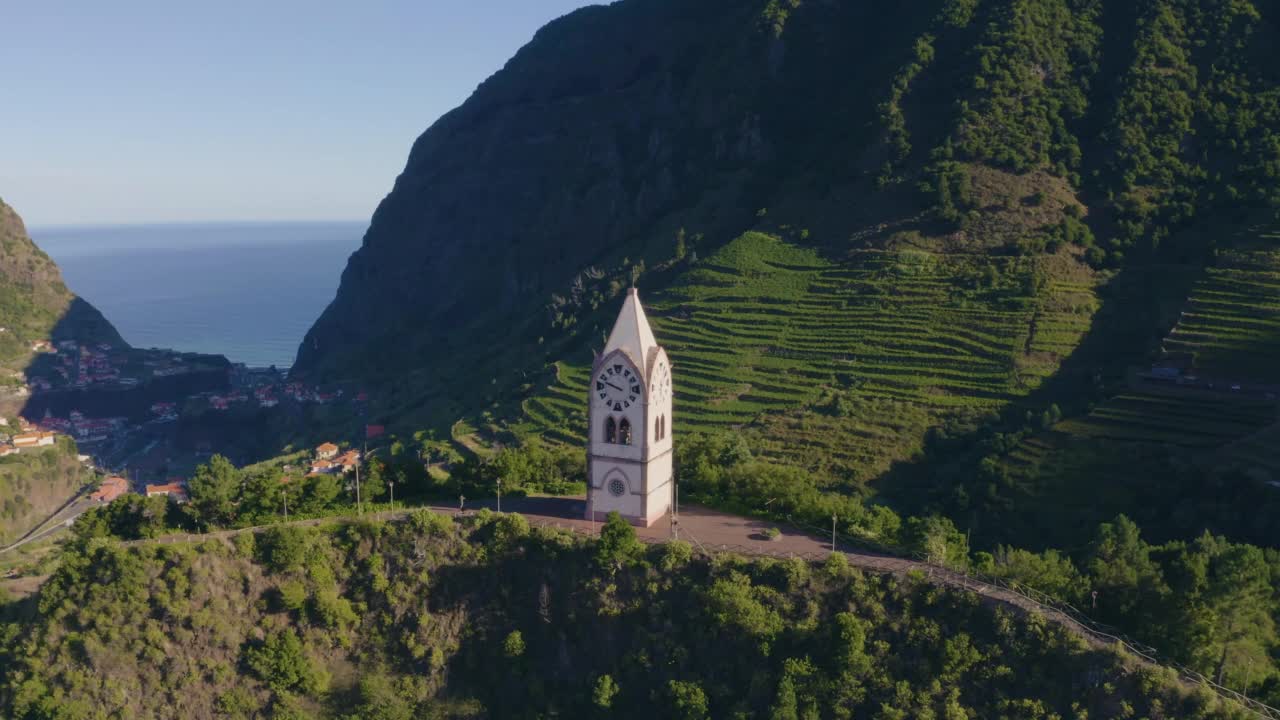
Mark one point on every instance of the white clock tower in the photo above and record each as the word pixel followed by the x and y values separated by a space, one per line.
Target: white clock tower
pixel 629 412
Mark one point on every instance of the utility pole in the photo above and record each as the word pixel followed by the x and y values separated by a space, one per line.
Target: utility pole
pixel 498 483
pixel 359 507
pixel 833 532
pixel 392 484
pixel 285 497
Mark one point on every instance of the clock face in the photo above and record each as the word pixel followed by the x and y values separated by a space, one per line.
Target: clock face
pixel 617 386
pixel 662 383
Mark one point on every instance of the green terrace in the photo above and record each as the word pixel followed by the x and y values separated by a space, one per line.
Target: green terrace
pixel 1232 321
pixel 843 366
pixel 1186 419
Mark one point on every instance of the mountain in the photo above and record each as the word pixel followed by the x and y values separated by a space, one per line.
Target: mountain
pixel 35 304
pixel 925 254
pixel 427 618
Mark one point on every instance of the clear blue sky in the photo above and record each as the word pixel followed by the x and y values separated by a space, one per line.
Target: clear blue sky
pixel 148 111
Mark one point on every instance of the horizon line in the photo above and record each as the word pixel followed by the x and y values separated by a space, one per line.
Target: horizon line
pixel 181 223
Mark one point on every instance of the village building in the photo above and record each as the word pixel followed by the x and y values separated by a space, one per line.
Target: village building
pixel 175 488
pixel 348 461
pixel 34 439
pixel 629 447
pixel 8 450
pixel 110 489
pixel 324 467
pixel 327 451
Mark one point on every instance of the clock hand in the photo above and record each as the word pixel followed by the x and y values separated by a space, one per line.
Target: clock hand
pixel 615 387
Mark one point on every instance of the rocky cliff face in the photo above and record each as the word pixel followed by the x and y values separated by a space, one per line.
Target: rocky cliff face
pixel 35 304
pixel 611 128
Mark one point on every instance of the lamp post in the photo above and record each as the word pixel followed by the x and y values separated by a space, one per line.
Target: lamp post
pixel 285 497
pixel 391 484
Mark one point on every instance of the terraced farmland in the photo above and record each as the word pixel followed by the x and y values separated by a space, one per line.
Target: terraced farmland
pixel 1259 451
pixel 844 366
pixel 1232 321
pixel 1186 419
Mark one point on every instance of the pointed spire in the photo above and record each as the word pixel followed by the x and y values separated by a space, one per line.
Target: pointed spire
pixel 631 332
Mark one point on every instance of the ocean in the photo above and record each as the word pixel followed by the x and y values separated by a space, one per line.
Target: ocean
pixel 249 291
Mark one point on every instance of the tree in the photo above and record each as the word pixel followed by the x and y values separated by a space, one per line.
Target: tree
pixel 1240 603
pixel 688 701
pixel 380 701
pixel 261 495
pixel 320 491
pixel 938 540
pixel 681 247
pixel 618 544
pixel 285 547
pixel 605 690
pixel 215 491
pixel 283 665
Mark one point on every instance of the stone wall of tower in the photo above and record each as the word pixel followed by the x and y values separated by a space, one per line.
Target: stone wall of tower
pixel 633 479
pixel 630 504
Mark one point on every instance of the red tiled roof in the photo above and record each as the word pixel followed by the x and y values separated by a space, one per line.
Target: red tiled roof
pixel 110 489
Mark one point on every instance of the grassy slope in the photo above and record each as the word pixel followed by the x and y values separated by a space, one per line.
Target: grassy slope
pixel 402 620
pixel 35 483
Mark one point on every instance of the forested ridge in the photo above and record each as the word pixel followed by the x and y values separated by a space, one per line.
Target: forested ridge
pixel 490 618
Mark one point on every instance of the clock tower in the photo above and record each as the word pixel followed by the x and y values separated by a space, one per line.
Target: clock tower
pixel 629 414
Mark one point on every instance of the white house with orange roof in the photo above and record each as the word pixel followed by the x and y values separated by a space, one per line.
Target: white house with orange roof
pixel 28 440
pixel 175 488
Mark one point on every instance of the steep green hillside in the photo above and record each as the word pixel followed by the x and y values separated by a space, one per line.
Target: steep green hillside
pixel 35 483
pixel 35 304
pixel 425 618
pixel 1179 455
pixel 894 246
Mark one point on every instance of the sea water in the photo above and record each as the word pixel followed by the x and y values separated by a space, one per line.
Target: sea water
pixel 249 291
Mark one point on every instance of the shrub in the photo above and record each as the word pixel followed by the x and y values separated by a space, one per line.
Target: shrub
pixel 431 524
pixel 285 548
pixel 293 595
pixel 282 663
pixel 332 610
pixel 513 646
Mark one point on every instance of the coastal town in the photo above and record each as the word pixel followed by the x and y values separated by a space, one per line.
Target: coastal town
pixel 135 412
